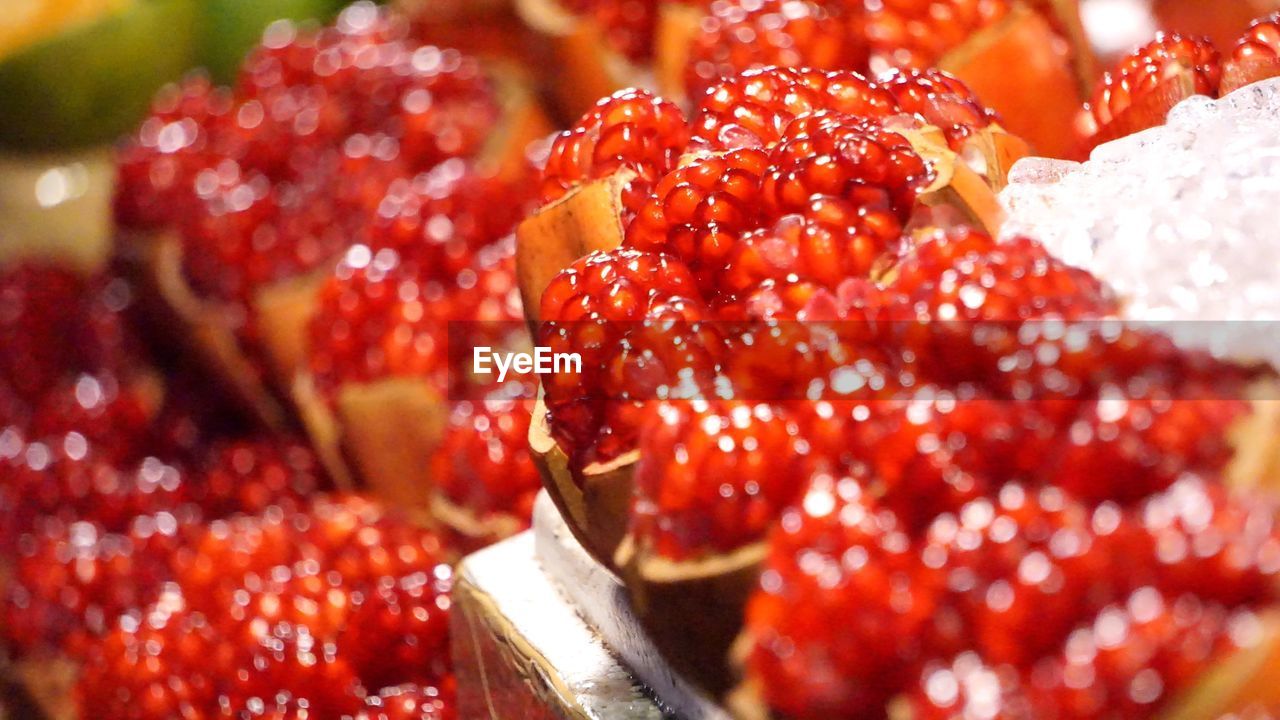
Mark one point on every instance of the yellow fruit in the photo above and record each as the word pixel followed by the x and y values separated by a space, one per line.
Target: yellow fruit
pixel 79 72
pixel 30 21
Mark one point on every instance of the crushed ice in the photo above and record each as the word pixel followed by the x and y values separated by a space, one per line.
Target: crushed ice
pixel 1182 220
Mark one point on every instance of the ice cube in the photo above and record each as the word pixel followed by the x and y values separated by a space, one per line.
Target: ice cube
pixel 1180 220
pixel 1122 149
pixel 1037 170
pixel 1262 97
pixel 1192 111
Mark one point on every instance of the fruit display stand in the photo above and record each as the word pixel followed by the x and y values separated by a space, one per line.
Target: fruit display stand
pixel 542 630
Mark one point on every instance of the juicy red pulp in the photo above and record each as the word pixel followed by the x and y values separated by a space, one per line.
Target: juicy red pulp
pixel 277 175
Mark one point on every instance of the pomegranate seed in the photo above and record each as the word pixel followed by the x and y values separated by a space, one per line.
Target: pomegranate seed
pixel 276 178
pixel 1262 40
pixel 753 109
pixel 631 130
pixel 917 33
pixel 411 702
pixel 587 309
pixel 739 35
pixel 1143 70
pixel 483 462
pixel 713 476
pixel 841 606
pixel 938 99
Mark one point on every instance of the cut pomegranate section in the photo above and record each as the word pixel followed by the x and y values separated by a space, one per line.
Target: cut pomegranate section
pixel 372 322
pixel 631 130
pixel 587 310
pixel 753 109
pixel 1144 86
pixel 1256 55
pixel 837 555
pixel 916 33
pixel 740 35
pixel 234 201
pixel 310 138
pixel 713 477
pixel 483 473
pixel 279 615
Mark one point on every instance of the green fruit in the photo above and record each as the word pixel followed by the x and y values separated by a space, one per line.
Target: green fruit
pixel 94 81
pixel 231 28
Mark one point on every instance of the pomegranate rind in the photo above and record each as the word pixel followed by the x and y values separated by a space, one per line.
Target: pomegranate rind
pixel 746 700
pixel 589 218
pixel 587 67
pixel 284 309
pixel 522 121
pixel 678 26
pixel 471 530
pixel 971 187
pixel 322 429
pixel 596 506
pixel 1147 111
pixel 1070 26
pixel 692 609
pixel 1255 440
pixel 1242 682
pixel 1239 73
pixel 390 428
pixel 50 683
pixel 1023 70
pixel 206 329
